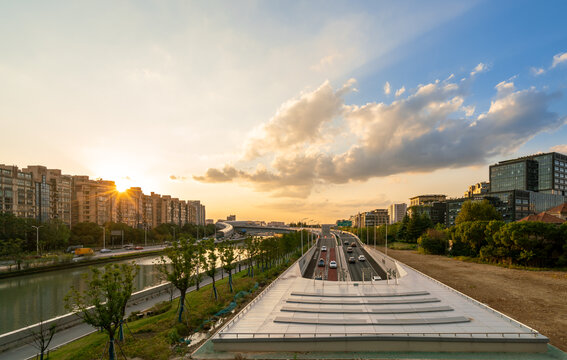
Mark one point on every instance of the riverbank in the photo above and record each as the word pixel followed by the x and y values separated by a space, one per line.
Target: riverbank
pixel 535 298
pixel 82 262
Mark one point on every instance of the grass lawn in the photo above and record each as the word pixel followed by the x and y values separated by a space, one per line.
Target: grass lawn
pixel 157 336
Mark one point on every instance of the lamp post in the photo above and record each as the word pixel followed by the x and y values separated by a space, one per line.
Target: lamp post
pixel 37 237
pixel 103 237
pixel 386 248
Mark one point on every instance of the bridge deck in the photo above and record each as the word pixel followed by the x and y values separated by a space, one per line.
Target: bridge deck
pixel 307 315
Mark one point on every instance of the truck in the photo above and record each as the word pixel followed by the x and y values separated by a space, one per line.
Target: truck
pixel 84 251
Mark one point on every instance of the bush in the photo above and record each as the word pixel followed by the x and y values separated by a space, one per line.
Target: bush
pixel 433 242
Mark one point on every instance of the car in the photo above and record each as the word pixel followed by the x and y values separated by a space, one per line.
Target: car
pixel 333 264
pixel 128 246
pixel 353 244
pixel 349 249
pixel 361 258
pixel 138 248
pixel 352 259
pixel 323 248
pixel 346 243
pixel 104 251
pixel 321 262
pixel 318 277
pixel 376 278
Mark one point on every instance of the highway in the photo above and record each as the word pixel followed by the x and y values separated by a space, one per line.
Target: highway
pixel 328 250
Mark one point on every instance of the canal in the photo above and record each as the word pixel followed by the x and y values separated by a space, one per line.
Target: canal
pixel 26 300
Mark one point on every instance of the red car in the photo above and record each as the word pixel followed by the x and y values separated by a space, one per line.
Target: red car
pixel 138 248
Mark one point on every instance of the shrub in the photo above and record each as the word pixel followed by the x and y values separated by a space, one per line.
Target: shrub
pixel 433 242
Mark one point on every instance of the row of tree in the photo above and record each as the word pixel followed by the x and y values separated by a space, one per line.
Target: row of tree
pixel 103 303
pixel 479 232
pixel 19 236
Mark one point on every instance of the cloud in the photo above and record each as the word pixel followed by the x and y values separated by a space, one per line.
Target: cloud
pixel 177 178
pixel 422 132
pixel 559 148
pixel 559 59
pixel 299 121
pixel 387 88
pixel 479 68
pixel 400 91
pixel 537 71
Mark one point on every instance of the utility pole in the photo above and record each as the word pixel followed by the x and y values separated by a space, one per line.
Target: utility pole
pixel 37 237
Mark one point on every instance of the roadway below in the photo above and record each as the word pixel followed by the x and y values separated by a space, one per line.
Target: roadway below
pixel 346 246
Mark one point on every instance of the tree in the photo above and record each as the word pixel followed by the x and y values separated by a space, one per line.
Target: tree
pixel 477 211
pixel 86 234
pixel 179 269
pixel 228 255
pixel 13 249
pixel 211 263
pixel 433 242
pixel 251 247
pixel 200 263
pixel 42 337
pixel 103 303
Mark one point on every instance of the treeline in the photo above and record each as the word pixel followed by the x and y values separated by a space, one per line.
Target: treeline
pixel 479 233
pixel 19 235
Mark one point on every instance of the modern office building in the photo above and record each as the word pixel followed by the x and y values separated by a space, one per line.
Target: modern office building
pixel 480 188
pixel 426 199
pixel 396 212
pixel 231 218
pixel 543 173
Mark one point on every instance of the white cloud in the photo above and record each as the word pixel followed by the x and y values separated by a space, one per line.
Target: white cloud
pixel 504 87
pixel 387 88
pixel 420 133
pixel 481 67
pixel 400 91
pixel 559 148
pixel 537 71
pixel 299 121
pixel 558 59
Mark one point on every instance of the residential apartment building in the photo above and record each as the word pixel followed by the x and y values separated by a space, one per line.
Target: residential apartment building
pixel 94 201
pixel 396 212
pixel 17 192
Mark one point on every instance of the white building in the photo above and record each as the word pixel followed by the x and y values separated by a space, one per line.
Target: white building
pixel 396 212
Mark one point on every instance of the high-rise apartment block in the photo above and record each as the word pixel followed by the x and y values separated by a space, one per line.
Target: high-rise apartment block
pixel 396 212
pixel 46 194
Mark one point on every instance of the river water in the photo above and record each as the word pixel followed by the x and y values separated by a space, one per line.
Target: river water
pixel 26 300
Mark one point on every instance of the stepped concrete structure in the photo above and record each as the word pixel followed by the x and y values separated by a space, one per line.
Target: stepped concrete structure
pixel 410 314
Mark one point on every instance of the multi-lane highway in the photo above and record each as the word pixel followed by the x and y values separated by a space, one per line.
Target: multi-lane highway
pixel 337 247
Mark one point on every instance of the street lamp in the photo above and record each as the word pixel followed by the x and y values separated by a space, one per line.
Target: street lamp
pixel 103 237
pixel 37 237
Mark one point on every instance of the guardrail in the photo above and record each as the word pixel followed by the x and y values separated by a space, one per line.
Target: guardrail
pixel 474 335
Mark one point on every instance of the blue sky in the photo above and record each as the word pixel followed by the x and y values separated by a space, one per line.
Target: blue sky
pixel 278 110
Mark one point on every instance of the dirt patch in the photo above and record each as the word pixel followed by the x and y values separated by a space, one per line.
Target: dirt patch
pixel 537 299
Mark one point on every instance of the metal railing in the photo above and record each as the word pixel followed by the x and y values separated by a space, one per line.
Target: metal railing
pixel 452 335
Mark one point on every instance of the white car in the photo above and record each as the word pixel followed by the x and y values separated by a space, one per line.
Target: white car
pixel 361 258
pixel 333 264
pixel 376 278
pixel 323 248
pixel 103 251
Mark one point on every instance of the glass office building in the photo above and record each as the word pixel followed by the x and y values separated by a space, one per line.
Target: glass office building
pixel 543 173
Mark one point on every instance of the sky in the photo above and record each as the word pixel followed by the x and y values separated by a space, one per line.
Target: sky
pixel 282 110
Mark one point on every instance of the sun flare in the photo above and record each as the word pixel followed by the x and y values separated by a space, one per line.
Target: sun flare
pixel 123 184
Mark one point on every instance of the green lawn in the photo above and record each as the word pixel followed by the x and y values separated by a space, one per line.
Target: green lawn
pixel 157 337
